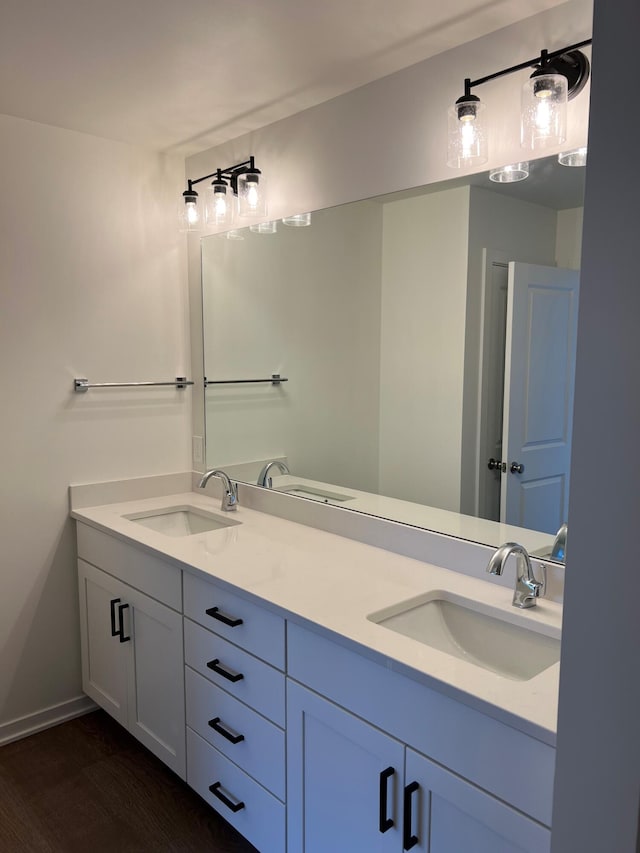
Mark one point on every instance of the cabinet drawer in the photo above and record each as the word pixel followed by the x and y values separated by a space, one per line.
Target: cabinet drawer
pixel 510 764
pixel 261 750
pixel 260 632
pixel 261 686
pixel 261 819
pixel 136 567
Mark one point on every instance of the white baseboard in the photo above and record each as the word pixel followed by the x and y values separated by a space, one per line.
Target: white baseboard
pixel 45 719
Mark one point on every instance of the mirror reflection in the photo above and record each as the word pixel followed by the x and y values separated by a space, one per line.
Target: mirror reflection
pixel 425 342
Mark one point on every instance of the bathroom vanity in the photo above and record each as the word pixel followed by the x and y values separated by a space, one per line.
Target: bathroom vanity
pixel 283 671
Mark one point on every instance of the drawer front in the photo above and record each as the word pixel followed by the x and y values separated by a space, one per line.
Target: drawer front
pixel 237 731
pixel 136 567
pixel 261 819
pixel 475 746
pixel 261 686
pixel 260 632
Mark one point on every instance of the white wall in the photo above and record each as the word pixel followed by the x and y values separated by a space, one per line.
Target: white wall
pixel 424 284
pixel 569 238
pixel 92 285
pixel 285 303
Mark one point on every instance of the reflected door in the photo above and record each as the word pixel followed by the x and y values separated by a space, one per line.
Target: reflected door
pixel 540 354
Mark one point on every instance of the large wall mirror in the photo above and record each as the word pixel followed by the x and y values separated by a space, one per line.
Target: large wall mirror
pixel 428 343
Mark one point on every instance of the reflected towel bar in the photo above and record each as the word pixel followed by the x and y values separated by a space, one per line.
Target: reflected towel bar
pixel 275 379
pixel 83 385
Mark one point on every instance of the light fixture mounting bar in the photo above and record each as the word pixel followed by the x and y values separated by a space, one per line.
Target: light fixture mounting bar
pixel 231 173
pixel 544 55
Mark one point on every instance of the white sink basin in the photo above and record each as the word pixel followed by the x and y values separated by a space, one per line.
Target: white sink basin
pixel 513 646
pixel 315 494
pixel 181 520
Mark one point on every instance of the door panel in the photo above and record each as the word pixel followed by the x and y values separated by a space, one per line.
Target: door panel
pixel 104 658
pixel 542 313
pixel 335 761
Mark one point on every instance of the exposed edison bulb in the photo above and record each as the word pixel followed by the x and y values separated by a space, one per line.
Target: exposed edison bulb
pixel 467 145
pixel 544 111
pixel 251 195
pixel 188 212
pixel 218 209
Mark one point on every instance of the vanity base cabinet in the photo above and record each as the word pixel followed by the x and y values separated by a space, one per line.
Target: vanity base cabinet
pixel 133 662
pixel 353 787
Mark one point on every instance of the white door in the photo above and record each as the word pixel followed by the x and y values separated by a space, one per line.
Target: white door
pixel 540 353
pixel 156 678
pixel 449 815
pixel 344 780
pixel 104 656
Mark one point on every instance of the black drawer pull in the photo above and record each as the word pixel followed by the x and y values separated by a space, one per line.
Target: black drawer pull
pixel 215 725
pixel 114 631
pixel 121 609
pixel 215 790
pixel 216 613
pixel 385 822
pixel 408 840
pixel 225 673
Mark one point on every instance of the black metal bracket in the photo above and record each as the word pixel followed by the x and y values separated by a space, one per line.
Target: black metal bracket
pixel 230 175
pixel 568 61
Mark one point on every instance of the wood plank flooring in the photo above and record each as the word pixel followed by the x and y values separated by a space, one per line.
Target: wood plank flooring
pixel 87 786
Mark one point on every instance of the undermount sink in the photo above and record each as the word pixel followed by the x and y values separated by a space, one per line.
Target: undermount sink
pixel 180 520
pixel 476 633
pixel 303 491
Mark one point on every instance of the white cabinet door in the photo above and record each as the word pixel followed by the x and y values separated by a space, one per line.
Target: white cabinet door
pixel 104 657
pixel 132 662
pixel 344 780
pixel 445 814
pixel 156 679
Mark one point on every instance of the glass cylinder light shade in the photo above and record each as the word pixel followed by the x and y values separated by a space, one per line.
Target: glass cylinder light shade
pixel 219 203
pixel 544 111
pixel 264 228
pixel 510 174
pixel 298 220
pixel 252 201
pixel 189 218
pixel 575 157
pixel 467 142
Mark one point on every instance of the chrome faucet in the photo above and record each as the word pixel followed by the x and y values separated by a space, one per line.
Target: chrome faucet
pixel 264 479
pixel 527 587
pixel 230 490
pixel 559 550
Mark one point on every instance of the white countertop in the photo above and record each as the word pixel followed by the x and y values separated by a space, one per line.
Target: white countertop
pixel 332 584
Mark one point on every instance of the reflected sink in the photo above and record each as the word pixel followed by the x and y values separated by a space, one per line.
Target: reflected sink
pixel 313 493
pixel 476 633
pixel 180 520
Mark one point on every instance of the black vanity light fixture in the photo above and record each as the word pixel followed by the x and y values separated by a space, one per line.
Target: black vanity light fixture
pixel 558 76
pixel 237 191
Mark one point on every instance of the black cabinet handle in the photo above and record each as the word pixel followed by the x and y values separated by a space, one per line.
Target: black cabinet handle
pixel 114 631
pixel 215 725
pixel 216 613
pixel 384 821
pixel 408 840
pixel 121 609
pixel 225 673
pixel 215 790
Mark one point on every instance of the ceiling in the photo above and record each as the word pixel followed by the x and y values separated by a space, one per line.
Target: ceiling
pixel 184 76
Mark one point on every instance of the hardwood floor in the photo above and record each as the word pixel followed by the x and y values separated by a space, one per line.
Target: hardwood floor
pixel 87 786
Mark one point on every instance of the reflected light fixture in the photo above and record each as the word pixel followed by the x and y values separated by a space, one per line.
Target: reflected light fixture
pixel 233 234
pixel 240 185
pixel 557 77
pixel 575 157
pixel 298 220
pixel 264 228
pixel 510 174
